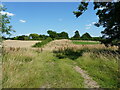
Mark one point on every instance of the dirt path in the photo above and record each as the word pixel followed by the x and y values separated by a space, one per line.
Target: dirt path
pixel 88 81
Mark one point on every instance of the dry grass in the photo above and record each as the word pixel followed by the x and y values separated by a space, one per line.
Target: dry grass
pixel 100 63
pixel 18 43
pixel 64 44
pixel 24 67
pixel 53 45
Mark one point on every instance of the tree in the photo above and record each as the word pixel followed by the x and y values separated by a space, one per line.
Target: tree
pixel 86 36
pixel 109 18
pixel 63 35
pixel 52 34
pixel 34 36
pixel 5 28
pixel 77 35
pixel 23 37
pixel 43 37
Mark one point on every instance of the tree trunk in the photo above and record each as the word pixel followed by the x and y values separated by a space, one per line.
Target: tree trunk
pixel 119 48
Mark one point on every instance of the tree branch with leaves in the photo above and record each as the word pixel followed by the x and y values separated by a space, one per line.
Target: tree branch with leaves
pixel 109 19
pixel 5 28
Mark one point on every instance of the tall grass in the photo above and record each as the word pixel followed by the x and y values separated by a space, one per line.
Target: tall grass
pixel 101 64
pixel 29 69
pixel 102 67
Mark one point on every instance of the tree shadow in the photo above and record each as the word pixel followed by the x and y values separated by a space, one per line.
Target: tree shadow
pixel 69 53
pixel 73 55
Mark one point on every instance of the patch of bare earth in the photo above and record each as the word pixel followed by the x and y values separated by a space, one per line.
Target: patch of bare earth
pixel 88 81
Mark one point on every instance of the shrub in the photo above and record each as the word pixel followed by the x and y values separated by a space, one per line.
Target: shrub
pixel 40 44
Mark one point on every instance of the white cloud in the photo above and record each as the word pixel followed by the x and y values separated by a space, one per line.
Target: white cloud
pixel 89 25
pixel 8 13
pixel 93 23
pixel 22 21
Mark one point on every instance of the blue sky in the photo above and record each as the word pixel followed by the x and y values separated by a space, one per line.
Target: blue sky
pixel 38 17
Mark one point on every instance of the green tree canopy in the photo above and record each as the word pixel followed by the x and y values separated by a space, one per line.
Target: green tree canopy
pixel 86 36
pixel 23 37
pixel 34 36
pixel 52 34
pixel 109 18
pixel 63 35
pixel 77 35
pixel 5 28
pixel 43 37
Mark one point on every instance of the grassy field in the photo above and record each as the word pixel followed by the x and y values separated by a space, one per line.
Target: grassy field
pixel 85 42
pixel 31 68
pixel 101 66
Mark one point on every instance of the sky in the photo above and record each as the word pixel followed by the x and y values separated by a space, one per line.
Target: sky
pixel 39 17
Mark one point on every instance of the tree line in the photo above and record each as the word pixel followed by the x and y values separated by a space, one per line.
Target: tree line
pixel 109 18
pixel 54 35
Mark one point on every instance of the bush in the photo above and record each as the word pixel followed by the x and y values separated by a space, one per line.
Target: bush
pixel 40 44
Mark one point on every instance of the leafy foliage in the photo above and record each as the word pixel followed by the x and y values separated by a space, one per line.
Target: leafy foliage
pixel 55 35
pixel 34 36
pixel 86 36
pixel 23 37
pixel 5 28
pixel 52 34
pixel 63 35
pixel 81 9
pixel 109 18
pixel 77 35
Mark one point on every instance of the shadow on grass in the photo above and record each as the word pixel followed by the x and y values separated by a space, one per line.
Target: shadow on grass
pixel 69 53
pixel 73 55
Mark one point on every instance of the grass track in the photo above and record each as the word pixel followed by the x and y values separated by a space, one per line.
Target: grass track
pixel 28 69
pixel 101 65
pixel 102 69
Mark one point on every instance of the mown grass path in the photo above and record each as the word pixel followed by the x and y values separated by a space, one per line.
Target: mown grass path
pixel 41 68
pixel 88 81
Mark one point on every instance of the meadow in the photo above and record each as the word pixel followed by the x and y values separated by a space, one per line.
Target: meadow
pixel 54 66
